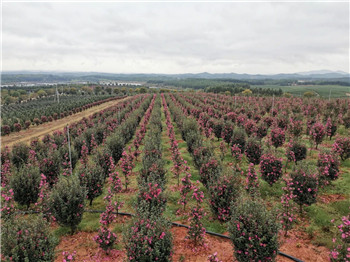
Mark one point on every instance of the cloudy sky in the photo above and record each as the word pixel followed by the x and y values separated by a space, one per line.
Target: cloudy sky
pixel 264 38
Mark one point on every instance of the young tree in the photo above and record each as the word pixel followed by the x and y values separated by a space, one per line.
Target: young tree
pixel 305 185
pixel 253 231
pixel 25 184
pixel 67 202
pixel 27 239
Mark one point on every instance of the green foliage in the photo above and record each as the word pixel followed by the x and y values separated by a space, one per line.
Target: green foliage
pixel 27 239
pixel 115 144
pixel 67 202
pixel 253 230
pixel 25 183
pixel 92 179
pixel 148 239
pixel 20 154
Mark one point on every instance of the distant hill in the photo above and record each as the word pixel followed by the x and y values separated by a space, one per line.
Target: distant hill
pixel 9 77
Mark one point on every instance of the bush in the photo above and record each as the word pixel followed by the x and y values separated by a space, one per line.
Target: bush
pixel 43 119
pixel 148 239
pixel 270 168
pixel 67 202
pixel 36 121
pixel 210 171
pixel 227 132
pixel 92 179
pixel 223 191
pixel 25 184
pixel 115 144
pixel 305 185
pixel 17 127
pixel 296 152
pixel 27 124
pixel 328 166
pixel 253 232
pixel 105 239
pixel 51 166
pixel 239 138
pixel 5 129
pixel 202 155
pixel 296 128
pixel 253 150
pixel 318 132
pixel 20 154
pixel 277 137
pixel 261 130
pixel 342 147
pixel 27 239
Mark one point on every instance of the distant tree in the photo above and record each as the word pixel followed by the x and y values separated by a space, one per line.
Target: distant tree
pixel 309 94
pixel 41 93
pixel 247 92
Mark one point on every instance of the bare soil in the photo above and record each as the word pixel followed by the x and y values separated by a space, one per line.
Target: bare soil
pixel 296 244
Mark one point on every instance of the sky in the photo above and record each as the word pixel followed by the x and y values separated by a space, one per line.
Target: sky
pixel 253 38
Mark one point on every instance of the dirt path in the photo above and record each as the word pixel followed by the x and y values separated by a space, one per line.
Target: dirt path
pixel 47 128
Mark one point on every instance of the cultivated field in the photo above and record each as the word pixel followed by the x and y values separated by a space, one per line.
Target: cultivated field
pixel 269 174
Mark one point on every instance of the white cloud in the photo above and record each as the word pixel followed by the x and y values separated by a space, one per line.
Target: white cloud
pixel 176 37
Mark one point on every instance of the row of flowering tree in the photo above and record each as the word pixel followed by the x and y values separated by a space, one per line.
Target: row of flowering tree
pixel 148 237
pixel 31 174
pixel 16 117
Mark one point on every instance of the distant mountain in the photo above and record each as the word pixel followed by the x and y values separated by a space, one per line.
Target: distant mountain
pixel 58 76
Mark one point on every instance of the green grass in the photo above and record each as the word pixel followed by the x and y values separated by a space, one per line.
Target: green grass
pixel 321 90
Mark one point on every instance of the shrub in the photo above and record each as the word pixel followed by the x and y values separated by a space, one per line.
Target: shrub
pixel 253 232
pixel 239 138
pixel 318 131
pixel 341 251
pixel 261 130
pixel 270 168
pixel 296 128
pixel 218 126
pixel 151 198
pixel 20 154
pixel 331 128
pixel 67 202
pixel 253 150
pixel 105 239
pixel 252 181
pixel 305 185
pixel 202 156
pixel 328 167
pixel 27 239
pixel 223 191
pixel 296 152
pixel 5 129
pixel 51 166
pixel 227 132
pixel 43 119
pixel 17 127
pixel 92 179
pixel 115 144
pixel 342 147
pixel 277 137
pixel 210 171
pixel 250 127
pixel 36 121
pixel 148 239
pixel 25 184
pixel 27 124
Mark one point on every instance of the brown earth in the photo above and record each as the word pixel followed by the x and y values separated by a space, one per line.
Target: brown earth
pixel 40 131
pixel 296 244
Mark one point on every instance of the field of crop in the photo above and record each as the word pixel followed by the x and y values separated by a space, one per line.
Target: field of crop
pixel 271 175
pixel 335 91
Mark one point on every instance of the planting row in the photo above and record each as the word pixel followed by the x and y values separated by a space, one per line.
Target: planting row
pixel 16 117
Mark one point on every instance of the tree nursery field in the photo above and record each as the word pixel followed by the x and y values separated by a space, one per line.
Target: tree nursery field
pixel 181 176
